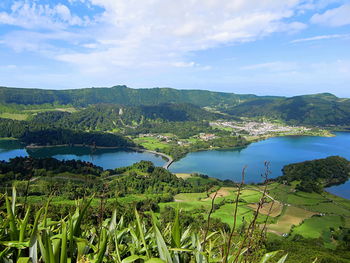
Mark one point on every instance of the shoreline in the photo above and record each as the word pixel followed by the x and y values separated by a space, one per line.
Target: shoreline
pixel 169 159
pixel 74 145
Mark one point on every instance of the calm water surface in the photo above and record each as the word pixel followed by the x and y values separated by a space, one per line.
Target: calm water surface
pixel 223 164
pixel 228 164
pixel 106 158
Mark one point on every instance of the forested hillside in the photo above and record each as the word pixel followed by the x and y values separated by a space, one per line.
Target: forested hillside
pixel 316 174
pixel 108 116
pixel 181 105
pixel 321 109
pixel 118 95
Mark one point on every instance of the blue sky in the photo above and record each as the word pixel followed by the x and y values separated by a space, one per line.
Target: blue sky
pixel 263 47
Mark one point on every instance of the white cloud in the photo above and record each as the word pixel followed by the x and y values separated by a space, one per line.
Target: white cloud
pixel 339 16
pixel 184 64
pixel 147 33
pixel 322 37
pixel 31 15
pixel 132 33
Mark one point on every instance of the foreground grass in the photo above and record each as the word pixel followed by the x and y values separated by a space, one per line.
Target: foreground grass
pixel 34 237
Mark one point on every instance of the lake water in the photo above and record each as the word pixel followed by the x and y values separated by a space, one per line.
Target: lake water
pixel 106 158
pixel 228 164
pixel 222 164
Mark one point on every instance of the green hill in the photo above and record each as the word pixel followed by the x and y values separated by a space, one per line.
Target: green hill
pixel 118 95
pixel 108 116
pixel 318 109
pixel 178 105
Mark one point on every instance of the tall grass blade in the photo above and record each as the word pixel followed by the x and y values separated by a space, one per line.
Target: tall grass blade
pixel 142 235
pixel 14 197
pixel 63 256
pixel 163 251
pixel 77 230
pixel 283 259
pixel 268 256
pixel 102 247
pixel 176 231
pixel 12 221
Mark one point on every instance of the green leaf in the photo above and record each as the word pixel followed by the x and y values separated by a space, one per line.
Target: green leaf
pixel 14 197
pixel 130 259
pixel 24 225
pixel 268 256
pixel 180 250
pixel 162 247
pixel 63 256
pixel 103 246
pixel 24 260
pixel 141 233
pixel 113 223
pixel 12 221
pixel 15 244
pixel 77 230
pixel 176 231
pixel 3 253
pixel 56 247
pixel 283 259
pixel 155 260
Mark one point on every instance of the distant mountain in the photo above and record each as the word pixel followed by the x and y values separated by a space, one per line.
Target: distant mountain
pixel 181 105
pixel 317 109
pixel 119 95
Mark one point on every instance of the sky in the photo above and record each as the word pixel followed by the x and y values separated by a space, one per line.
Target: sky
pixel 264 47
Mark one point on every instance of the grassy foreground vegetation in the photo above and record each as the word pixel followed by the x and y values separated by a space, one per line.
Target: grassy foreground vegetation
pixel 143 213
pixel 35 237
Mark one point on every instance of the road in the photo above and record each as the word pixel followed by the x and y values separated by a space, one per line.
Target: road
pixel 169 158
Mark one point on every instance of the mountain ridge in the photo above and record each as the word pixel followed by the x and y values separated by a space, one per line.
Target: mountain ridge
pixel 312 109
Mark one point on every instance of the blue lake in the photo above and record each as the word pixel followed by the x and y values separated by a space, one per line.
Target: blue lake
pixel 222 164
pixel 228 164
pixel 106 158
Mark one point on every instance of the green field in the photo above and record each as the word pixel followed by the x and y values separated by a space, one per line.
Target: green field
pixel 316 226
pixel 200 204
pixel 299 212
pixel 26 112
pixel 151 143
pixel 291 216
pixel 14 116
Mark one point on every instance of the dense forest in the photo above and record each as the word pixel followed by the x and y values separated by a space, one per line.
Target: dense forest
pixel 316 174
pixel 118 95
pixel 322 109
pixel 51 176
pixel 68 137
pixel 107 125
pixel 48 134
pixel 183 105
pixel 106 117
